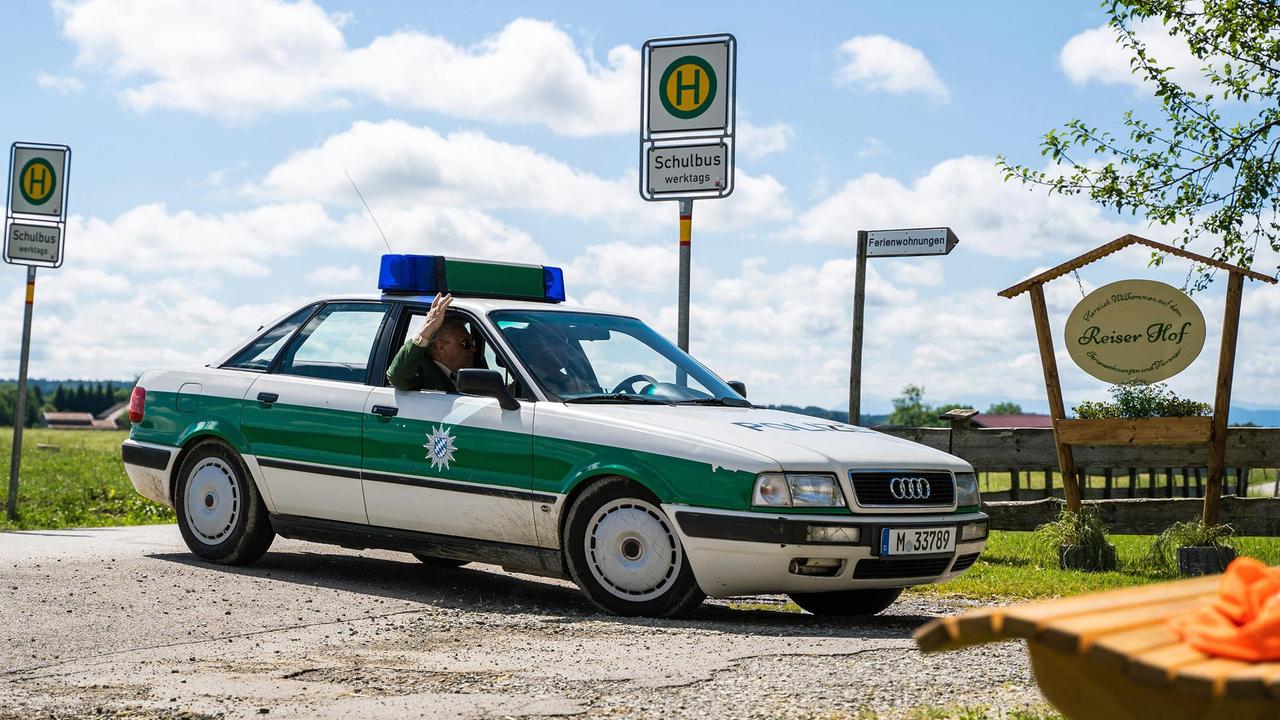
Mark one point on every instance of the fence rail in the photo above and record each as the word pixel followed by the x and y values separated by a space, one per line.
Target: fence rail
pixel 1124 471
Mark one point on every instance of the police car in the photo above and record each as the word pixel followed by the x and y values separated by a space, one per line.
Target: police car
pixel 578 444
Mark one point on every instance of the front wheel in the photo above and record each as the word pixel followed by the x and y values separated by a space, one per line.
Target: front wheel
pixel 847 602
pixel 220 514
pixel 623 551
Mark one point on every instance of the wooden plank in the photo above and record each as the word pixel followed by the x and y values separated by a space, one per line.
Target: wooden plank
pixel 1149 431
pixel 1222 396
pixel 1078 633
pixel 1029 620
pixel 972 628
pixel 1216 677
pixel 1013 485
pixel 1113 651
pixel 1159 666
pixel 1133 482
pixel 1053 386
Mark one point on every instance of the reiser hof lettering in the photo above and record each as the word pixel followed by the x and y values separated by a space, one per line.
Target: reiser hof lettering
pixel 1135 330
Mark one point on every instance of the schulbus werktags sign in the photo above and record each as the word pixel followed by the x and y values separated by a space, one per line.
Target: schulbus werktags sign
pixel 1139 330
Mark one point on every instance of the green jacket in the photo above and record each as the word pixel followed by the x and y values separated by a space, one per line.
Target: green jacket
pixel 413 369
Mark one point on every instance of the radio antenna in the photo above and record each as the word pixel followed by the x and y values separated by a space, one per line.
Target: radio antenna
pixel 366 207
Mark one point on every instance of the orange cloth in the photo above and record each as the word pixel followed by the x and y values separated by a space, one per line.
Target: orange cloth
pixel 1244 622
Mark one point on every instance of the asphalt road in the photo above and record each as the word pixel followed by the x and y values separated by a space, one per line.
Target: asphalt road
pixel 124 622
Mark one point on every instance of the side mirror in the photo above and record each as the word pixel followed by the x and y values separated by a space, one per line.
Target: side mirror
pixel 486 383
pixel 739 387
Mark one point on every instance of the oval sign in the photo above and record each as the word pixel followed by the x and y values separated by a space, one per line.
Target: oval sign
pixel 1135 330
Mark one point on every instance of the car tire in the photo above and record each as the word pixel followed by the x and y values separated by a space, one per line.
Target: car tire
pixel 220 513
pixel 624 553
pixel 439 562
pixel 847 602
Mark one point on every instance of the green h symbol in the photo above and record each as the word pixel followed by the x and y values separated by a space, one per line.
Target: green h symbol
pixel 39 176
pixel 691 86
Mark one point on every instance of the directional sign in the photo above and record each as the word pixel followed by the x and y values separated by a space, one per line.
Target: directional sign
pixel 32 244
pixel 38 180
pixel 914 241
pixel 689 86
pixel 682 169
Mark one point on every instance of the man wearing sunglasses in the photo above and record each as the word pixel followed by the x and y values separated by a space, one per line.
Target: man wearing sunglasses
pixel 432 357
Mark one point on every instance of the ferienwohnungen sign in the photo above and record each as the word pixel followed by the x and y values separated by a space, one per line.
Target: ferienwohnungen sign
pixel 1139 330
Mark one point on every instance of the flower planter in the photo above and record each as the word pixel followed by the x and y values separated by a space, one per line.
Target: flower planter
pixel 1204 560
pixel 1145 431
pixel 1078 557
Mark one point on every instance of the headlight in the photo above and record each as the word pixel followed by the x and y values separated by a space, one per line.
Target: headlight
pixel 967 494
pixel 797 490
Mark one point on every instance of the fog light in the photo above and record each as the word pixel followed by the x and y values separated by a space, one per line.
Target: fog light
pixel 973 531
pixel 825 567
pixel 834 534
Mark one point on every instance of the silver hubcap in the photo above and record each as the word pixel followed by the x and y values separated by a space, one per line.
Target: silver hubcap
pixel 212 501
pixel 631 550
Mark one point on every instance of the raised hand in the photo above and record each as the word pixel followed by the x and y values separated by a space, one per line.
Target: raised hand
pixel 434 319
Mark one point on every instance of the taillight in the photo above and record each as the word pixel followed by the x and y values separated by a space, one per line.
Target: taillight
pixel 137 401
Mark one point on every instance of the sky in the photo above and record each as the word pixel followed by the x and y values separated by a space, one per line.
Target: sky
pixel 211 144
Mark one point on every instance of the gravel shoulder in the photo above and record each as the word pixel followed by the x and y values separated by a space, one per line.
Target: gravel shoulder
pixel 124 622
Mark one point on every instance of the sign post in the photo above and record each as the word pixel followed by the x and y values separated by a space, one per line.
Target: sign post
pixel 688 96
pixel 34 229
pixel 885 243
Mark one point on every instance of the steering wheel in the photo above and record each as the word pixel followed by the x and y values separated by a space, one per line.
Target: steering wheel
pixel 625 387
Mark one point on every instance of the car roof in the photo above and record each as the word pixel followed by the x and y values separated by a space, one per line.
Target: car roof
pixel 474 304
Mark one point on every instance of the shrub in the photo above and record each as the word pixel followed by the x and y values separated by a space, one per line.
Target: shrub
pixel 1135 400
pixel 1082 529
pixel 1162 555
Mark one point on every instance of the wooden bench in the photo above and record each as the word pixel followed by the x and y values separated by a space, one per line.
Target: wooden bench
pixel 1110 655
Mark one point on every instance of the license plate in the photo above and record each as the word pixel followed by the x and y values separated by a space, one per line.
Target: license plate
pixel 917 541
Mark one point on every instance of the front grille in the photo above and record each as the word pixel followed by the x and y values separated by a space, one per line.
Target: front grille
pixel 964 562
pixel 874 569
pixel 872 488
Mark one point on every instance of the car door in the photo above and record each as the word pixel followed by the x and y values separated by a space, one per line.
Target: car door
pixel 446 463
pixel 303 420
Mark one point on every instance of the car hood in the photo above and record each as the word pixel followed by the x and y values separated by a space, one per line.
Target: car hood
pixel 795 442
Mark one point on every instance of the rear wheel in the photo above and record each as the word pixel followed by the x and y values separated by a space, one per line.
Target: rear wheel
pixel 847 602
pixel 623 551
pixel 220 514
pixel 439 562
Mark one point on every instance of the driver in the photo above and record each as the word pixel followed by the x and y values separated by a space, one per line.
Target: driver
pixel 546 350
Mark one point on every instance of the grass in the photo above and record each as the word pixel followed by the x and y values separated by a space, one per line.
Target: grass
pixel 1017 566
pixel 76 480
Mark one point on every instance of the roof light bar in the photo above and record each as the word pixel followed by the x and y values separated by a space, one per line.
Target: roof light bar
pixel 427 274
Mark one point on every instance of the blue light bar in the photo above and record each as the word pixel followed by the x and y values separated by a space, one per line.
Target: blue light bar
pixel 408 274
pixel 428 274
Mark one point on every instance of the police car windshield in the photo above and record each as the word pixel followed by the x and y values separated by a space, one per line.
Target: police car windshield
pixel 585 357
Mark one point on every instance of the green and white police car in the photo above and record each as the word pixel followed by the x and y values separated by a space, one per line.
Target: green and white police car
pixel 580 445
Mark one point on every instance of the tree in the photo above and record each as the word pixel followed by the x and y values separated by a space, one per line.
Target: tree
pixel 1217 177
pixel 910 409
pixel 1004 408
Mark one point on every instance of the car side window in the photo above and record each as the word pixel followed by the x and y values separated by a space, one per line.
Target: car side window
pixel 336 344
pixel 486 356
pixel 259 353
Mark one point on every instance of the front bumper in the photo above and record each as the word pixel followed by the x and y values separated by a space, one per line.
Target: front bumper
pixel 746 553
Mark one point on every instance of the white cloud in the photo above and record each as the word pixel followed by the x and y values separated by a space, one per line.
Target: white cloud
pixel 755 141
pixel 872 147
pixel 340 278
pixel 399 165
pixel 969 195
pixel 61 84
pixel 236 59
pixel 925 271
pixel 1096 55
pixel 880 63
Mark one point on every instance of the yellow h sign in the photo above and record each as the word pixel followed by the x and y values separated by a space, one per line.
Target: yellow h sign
pixel 37 181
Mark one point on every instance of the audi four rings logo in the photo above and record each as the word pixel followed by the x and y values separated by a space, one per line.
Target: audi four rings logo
pixel 910 488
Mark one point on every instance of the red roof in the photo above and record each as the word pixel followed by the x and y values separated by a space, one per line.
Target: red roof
pixel 1012 421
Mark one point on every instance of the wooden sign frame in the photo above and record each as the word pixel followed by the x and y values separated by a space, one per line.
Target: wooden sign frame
pixel 1155 431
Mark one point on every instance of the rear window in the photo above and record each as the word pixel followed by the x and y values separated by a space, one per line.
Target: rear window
pixel 336 344
pixel 259 354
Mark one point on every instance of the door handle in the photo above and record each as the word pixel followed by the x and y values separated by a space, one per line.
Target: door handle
pixel 385 410
pixel 268 398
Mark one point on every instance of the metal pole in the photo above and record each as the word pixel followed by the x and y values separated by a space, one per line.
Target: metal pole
pixel 20 407
pixel 686 234
pixel 855 360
